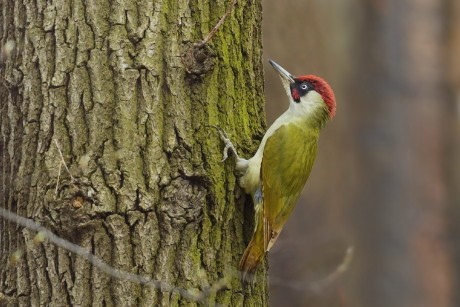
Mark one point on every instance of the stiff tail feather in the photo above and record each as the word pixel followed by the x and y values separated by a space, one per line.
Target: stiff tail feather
pixel 250 261
pixel 256 248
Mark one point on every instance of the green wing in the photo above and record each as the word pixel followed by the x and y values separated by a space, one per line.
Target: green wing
pixel 286 164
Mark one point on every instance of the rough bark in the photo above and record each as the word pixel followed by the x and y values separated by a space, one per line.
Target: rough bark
pixel 107 80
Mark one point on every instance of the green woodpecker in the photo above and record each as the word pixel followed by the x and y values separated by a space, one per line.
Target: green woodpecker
pixel 276 174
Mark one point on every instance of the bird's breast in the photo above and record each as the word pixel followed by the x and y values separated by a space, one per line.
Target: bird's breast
pixel 250 180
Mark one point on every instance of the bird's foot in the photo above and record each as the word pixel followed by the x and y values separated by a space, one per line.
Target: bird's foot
pixel 228 144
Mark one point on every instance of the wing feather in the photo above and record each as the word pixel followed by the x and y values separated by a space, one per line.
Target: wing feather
pixel 286 164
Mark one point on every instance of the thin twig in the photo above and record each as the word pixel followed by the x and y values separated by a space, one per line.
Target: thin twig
pixel 319 285
pixel 219 23
pixel 63 161
pixel 192 295
pixel 57 182
pixel 339 271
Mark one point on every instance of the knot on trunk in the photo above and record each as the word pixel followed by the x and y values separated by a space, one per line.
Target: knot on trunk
pixel 183 202
pixel 198 60
pixel 69 212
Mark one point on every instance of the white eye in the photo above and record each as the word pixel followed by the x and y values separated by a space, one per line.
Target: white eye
pixel 304 86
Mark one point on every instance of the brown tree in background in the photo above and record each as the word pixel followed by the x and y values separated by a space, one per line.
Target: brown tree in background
pixel 109 84
pixel 401 140
pixel 452 164
pixel 316 238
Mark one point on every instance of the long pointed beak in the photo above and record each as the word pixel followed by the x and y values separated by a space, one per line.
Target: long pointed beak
pixel 283 72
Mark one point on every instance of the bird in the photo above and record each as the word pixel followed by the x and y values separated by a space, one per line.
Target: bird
pixel 278 171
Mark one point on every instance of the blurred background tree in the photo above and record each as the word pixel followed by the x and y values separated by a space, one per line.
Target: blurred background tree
pixel 387 174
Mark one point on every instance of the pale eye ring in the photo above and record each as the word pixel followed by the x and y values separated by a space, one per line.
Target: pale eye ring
pixel 304 86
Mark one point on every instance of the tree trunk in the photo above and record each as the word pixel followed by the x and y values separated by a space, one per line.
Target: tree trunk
pixel 118 88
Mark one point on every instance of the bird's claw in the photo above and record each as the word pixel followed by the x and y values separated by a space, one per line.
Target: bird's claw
pixel 228 144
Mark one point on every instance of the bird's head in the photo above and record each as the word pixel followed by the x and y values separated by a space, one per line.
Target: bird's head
pixel 307 92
